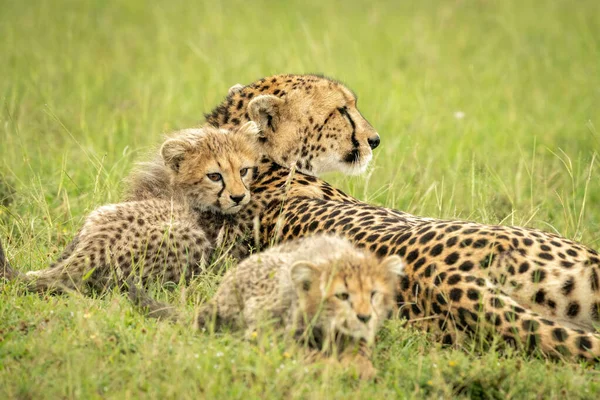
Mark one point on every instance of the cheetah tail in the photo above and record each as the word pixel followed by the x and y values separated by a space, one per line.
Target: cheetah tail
pixel 150 307
pixel 6 270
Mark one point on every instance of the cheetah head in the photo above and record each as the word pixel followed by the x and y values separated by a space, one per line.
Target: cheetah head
pixel 213 168
pixel 306 121
pixel 352 295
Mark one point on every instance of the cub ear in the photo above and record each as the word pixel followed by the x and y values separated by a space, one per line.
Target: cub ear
pixel 265 110
pixel 394 265
pixel 173 152
pixel 234 89
pixel 303 275
pixel 250 130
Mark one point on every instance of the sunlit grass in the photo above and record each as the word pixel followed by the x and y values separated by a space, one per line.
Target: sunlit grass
pixel 488 111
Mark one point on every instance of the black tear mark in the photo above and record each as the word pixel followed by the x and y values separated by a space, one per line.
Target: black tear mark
pixel 344 112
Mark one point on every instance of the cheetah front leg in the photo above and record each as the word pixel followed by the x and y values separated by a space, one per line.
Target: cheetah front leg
pixel 354 356
pixel 358 355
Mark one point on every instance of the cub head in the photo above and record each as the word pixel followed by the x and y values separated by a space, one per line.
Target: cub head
pixel 306 121
pixel 351 295
pixel 213 168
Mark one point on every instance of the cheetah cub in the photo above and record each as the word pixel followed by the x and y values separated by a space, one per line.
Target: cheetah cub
pixel 210 175
pixel 321 288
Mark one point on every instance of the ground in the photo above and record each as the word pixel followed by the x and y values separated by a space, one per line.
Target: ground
pixel 487 110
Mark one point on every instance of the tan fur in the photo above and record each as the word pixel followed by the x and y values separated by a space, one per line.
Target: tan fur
pixel 319 283
pixel 166 239
pixel 322 289
pixel 300 116
pixel 532 288
pixel 307 122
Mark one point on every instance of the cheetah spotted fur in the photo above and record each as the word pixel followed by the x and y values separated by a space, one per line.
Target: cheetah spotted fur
pixel 331 297
pixel 210 174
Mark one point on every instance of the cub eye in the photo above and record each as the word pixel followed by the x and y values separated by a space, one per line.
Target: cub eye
pixel 244 172
pixel 373 293
pixel 215 177
pixel 342 296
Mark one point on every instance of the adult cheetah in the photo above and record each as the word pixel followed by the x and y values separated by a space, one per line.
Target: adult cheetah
pixel 465 276
pixel 210 172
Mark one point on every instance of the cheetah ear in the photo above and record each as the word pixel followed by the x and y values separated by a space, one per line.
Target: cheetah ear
pixel 265 110
pixel 394 265
pixel 303 274
pixel 173 152
pixel 234 89
pixel 250 130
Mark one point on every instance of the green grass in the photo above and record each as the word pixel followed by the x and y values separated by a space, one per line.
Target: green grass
pixel 86 87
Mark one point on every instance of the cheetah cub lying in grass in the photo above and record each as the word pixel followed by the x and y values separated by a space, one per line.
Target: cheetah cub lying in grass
pixel 322 288
pixel 162 239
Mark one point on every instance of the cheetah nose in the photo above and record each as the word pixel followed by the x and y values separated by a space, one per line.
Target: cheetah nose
pixel 374 141
pixel 363 318
pixel 237 199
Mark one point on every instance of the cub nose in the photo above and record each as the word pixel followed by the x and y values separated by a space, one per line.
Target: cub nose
pixel 374 142
pixel 363 318
pixel 237 199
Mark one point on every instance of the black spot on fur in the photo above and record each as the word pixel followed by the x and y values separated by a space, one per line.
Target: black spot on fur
pixel 439 279
pixel 452 258
pixel 429 270
pixel 473 294
pixel 595 311
pixel 540 296
pixel 532 342
pixel 466 266
pixel 487 261
pixel 547 322
pixel 447 340
pixel 566 264
pixel 436 250
pixel 452 241
pixel 568 286
pixel 510 316
pixel 584 343
pixel 417 265
pixel 530 325
pixel 594 285
pixel 441 299
pixel 538 276
pixel 412 256
pixel 573 309
pixel 480 243
pixel 496 302
pixel 454 279
pixel 456 294
pixel 572 253
pixel 427 237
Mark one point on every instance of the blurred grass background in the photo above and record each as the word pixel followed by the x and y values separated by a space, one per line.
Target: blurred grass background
pixel 488 110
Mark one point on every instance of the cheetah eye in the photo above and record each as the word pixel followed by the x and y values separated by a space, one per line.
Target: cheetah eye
pixel 342 296
pixel 244 172
pixel 373 293
pixel 215 177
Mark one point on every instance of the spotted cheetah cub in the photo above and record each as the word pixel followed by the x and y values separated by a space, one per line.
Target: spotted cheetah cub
pixel 321 288
pixel 210 175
